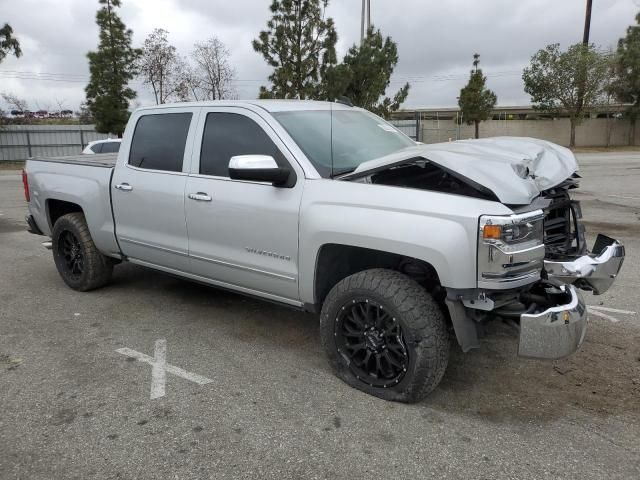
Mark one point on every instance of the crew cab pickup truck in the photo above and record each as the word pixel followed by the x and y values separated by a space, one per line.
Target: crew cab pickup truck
pixel 330 209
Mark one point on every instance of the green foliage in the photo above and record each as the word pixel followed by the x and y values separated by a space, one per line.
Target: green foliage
pixel 476 102
pixel 111 67
pixel 572 81
pixel 8 43
pixel 364 75
pixel 626 84
pixel 299 44
pixel 554 79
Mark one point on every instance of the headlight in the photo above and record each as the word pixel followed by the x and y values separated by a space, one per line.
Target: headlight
pixel 514 229
pixel 510 249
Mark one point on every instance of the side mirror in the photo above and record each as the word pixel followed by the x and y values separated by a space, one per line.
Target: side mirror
pixel 257 168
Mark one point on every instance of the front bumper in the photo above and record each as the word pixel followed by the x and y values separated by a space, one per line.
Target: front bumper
pixel 556 332
pixel 596 271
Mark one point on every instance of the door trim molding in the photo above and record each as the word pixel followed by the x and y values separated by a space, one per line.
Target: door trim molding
pixel 245 268
pixel 217 283
pixel 155 247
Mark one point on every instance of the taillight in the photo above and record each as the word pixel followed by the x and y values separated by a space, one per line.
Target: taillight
pixel 25 184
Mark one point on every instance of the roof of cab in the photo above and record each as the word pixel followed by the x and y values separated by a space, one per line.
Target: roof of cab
pixel 268 105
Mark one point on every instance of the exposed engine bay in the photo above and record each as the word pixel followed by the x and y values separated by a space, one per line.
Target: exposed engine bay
pixel 424 175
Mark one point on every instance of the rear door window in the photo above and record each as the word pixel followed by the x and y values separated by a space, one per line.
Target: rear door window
pixel 110 147
pixel 159 141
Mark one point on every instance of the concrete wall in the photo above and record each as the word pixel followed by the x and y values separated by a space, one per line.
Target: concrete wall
pixel 591 133
pixel 19 142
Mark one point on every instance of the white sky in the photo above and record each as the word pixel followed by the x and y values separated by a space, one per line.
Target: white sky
pixel 436 40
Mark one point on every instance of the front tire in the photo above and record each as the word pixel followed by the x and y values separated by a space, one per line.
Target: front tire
pixel 79 263
pixel 385 335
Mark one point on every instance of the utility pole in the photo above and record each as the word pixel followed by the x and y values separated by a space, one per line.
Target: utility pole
pixel 366 12
pixel 583 73
pixel 587 23
pixel 362 22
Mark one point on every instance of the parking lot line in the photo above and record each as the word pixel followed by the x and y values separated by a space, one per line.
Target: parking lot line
pixel 160 367
pixel 612 310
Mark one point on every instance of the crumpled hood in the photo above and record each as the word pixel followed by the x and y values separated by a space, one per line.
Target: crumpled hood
pixel 515 169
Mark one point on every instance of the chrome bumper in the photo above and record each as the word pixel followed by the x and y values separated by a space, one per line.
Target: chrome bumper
pixel 555 333
pixel 596 271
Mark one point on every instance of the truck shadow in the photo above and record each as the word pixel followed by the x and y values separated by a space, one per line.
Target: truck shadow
pixel 491 383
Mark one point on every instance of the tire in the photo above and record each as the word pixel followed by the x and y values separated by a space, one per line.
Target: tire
pixel 409 362
pixel 79 263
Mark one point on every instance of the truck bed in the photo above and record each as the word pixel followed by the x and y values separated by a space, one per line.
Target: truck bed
pixel 104 160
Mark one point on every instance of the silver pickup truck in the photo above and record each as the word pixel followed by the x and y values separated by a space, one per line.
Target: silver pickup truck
pixel 330 209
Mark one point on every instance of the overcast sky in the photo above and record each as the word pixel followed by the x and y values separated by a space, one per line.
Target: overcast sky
pixel 436 40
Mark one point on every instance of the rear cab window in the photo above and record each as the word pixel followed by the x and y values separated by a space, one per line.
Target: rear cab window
pixel 97 148
pixel 159 141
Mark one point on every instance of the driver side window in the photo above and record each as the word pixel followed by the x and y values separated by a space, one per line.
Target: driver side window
pixel 229 134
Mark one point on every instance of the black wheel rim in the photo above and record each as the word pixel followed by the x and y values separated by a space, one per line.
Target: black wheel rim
pixel 370 339
pixel 71 252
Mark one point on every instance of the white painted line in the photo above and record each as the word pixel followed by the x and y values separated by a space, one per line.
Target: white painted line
pixel 158 371
pixel 160 366
pixel 612 310
pixel 624 196
pixel 603 315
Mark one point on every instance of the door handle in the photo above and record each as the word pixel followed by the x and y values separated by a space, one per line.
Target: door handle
pixel 200 196
pixel 125 187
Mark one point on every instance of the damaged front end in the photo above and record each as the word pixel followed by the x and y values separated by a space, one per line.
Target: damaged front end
pixel 566 255
pixel 532 264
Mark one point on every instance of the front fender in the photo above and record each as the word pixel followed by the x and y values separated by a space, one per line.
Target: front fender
pixel 437 228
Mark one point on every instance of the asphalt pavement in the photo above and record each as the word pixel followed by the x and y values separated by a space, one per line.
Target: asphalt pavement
pixel 248 394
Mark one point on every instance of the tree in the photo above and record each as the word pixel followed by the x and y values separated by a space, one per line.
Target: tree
pixel 625 86
pixel 160 66
pixel 557 80
pixel 476 102
pixel 84 114
pixel 8 43
pixel 299 44
pixel 17 105
pixel 15 102
pixel 213 71
pixel 111 68
pixel 190 84
pixel 364 75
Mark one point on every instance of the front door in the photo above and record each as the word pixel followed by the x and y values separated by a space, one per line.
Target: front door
pixel 242 234
pixel 148 188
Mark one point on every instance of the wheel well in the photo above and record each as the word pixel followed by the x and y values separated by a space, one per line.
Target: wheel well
pixel 336 262
pixel 58 208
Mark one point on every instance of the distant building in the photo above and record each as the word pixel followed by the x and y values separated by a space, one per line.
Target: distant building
pixel 522 112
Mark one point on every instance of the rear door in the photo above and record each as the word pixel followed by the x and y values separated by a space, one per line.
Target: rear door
pixel 148 187
pixel 242 233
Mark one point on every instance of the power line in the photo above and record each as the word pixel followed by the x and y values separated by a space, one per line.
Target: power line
pixel 78 78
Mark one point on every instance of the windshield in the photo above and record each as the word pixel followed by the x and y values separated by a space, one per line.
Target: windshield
pixel 352 136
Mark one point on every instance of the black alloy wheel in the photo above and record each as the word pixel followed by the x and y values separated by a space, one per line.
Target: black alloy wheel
pixel 371 339
pixel 80 264
pixel 384 334
pixel 70 250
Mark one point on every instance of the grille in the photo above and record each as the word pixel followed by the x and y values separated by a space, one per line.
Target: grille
pixel 563 236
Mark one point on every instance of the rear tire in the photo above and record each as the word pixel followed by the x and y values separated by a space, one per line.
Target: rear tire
pixel 79 263
pixel 384 334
